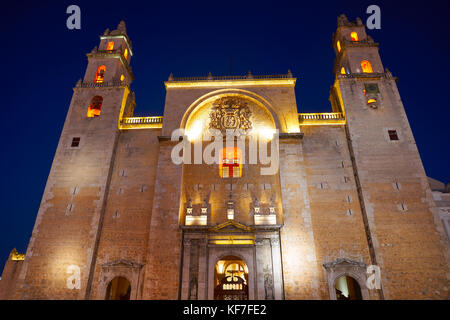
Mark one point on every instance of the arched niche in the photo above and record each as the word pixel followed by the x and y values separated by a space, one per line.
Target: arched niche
pixel 122 268
pixel 118 288
pixel 349 268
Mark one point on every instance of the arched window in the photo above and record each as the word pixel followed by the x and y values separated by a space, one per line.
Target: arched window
pixel 338 45
pixel 110 45
pixel 354 36
pixel 366 66
pixel 95 107
pixel 122 77
pixel 347 288
pixel 100 74
pixel 230 163
pixel 125 53
pixel 343 70
pixel 118 289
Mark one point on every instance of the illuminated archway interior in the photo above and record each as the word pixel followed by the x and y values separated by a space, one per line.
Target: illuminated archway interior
pixel 347 288
pixel 119 288
pixel 231 279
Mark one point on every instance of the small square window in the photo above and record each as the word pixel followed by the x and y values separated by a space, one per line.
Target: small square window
pixel 75 142
pixel 393 135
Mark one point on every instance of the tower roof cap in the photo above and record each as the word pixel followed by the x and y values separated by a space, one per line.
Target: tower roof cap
pixel 121 29
pixel 342 21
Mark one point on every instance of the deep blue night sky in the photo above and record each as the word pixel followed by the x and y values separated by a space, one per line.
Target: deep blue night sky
pixel 42 60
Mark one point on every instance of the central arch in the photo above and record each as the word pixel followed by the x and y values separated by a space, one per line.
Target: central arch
pixel 231 279
pixel 244 94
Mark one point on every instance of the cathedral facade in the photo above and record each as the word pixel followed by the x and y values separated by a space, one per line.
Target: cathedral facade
pixel 299 206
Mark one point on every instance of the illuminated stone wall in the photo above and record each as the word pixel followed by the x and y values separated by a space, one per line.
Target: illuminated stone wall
pixel 407 238
pixel 10 273
pixel 67 224
pixel 336 219
pixel 125 230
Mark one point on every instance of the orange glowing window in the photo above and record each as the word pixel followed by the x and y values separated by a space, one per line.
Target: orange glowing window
pixel 343 70
pixel 100 74
pixel 338 45
pixel 122 77
pixel 125 53
pixel 366 66
pixel 95 107
pixel 371 101
pixel 354 36
pixel 230 163
pixel 110 45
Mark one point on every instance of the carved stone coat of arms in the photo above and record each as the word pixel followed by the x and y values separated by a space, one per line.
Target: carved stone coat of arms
pixel 230 113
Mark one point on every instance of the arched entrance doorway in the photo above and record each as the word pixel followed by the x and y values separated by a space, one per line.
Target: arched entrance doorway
pixel 119 288
pixel 347 288
pixel 231 279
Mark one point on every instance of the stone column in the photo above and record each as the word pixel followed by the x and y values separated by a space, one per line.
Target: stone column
pixel 202 269
pixel 162 274
pixel 277 269
pixel 264 270
pixel 185 269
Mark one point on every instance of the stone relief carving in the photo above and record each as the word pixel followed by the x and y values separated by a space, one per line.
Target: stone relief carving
pixel 193 289
pixel 230 113
pixel 268 286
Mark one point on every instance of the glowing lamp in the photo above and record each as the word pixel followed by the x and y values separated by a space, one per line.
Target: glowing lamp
pixel 266 133
pixel 195 131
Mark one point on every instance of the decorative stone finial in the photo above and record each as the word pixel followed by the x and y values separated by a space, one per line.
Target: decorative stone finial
pixel 342 20
pixel 249 75
pixel 205 206
pixel 289 73
pixel 210 77
pixel 122 27
pixel 15 256
pixel 106 32
pixel 171 76
pixel 189 208
pixel 359 21
pixel 256 206
pixel 388 73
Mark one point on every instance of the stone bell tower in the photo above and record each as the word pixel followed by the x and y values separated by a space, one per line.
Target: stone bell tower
pixel 395 198
pixel 67 229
